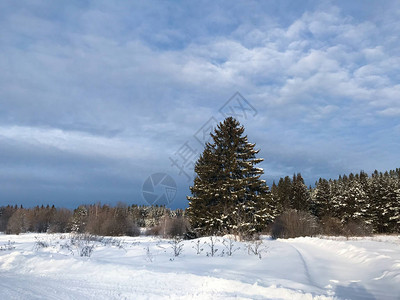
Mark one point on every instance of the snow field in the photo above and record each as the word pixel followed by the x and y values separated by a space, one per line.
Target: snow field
pixel 146 268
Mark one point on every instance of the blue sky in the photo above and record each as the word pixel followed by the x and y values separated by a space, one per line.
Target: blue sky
pixel 95 96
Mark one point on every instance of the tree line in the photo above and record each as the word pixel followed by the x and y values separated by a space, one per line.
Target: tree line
pixel 229 197
pixel 372 202
pixel 94 219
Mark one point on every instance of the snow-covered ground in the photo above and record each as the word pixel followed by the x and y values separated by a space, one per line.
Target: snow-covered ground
pixel 145 268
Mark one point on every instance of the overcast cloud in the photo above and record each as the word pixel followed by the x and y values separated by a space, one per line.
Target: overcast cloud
pixel 95 96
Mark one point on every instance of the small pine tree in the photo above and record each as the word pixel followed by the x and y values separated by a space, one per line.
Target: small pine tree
pixel 79 219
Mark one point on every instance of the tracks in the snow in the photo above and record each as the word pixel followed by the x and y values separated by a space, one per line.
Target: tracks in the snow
pixel 310 278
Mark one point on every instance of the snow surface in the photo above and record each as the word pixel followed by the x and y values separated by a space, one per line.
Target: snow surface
pixel 145 268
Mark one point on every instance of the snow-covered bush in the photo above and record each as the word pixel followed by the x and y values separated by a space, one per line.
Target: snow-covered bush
pixel 8 246
pixel 40 243
pixel 115 242
pixel 86 250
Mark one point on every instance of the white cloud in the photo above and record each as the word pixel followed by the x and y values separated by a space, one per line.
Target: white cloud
pixel 391 112
pixel 133 81
pixel 79 143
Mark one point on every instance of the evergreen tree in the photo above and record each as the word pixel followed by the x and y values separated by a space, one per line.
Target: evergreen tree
pixel 354 200
pixel 228 195
pixel 391 205
pixel 276 204
pixel 301 199
pixel 322 199
pixel 79 219
pixel 284 194
pixel 337 187
pixel 395 207
pixel 379 197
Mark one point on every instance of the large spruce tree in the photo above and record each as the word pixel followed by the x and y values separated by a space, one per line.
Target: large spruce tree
pixel 228 195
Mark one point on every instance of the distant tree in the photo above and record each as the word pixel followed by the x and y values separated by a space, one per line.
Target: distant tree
pixel 79 219
pixel 354 200
pixel 228 195
pixel 284 194
pixel 395 206
pixel 384 202
pixel 276 208
pixel 61 220
pixel 17 223
pixel 5 214
pixel 322 199
pixel 301 199
pixel 337 188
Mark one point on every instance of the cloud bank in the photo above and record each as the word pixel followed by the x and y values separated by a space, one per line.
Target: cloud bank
pixel 96 96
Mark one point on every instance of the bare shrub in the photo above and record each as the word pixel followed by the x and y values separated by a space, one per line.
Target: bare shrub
pixel 212 245
pixel 177 226
pixel 353 228
pixel 86 250
pixel 133 230
pixel 293 223
pixel 256 247
pixel 332 226
pixel 177 246
pixel 60 221
pixel 115 242
pixel 149 255
pixel 17 223
pixel 230 246
pixel 170 227
pixel 197 246
pixel 84 244
pixel 154 231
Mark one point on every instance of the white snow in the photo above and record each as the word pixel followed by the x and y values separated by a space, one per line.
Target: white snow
pixel 144 268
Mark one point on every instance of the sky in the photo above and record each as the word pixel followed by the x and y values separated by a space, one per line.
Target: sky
pixel 101 101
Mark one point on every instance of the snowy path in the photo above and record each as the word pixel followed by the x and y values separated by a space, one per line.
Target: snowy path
pixel 302 268
pixel 349 269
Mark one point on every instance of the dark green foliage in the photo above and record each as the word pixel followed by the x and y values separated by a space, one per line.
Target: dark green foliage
pixel 301 199
pixel 359 203
pixel 228 195
pixel 322 199
pixel 384 202
pixel 284 194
